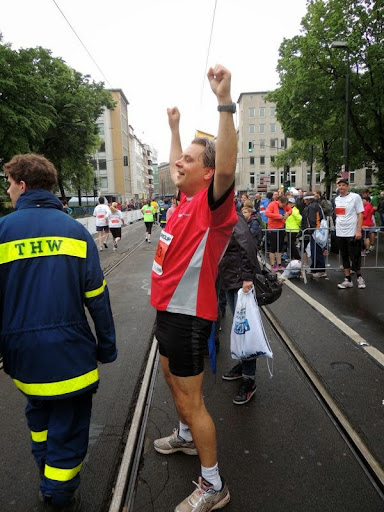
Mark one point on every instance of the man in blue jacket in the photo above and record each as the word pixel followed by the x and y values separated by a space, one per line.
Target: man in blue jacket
pixel 50 270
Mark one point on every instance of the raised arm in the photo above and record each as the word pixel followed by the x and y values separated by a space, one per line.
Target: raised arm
pixel 226 146
pixel 176 149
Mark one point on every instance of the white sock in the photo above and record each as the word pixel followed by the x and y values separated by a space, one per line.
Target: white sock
pixel 184 432
pixel 212 476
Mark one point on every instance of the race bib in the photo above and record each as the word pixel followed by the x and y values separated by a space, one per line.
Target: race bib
pixel 115 221
pixel 162 248
pixel 100 215
pixel 340 210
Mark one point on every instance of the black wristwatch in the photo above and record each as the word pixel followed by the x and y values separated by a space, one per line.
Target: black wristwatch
pixel 227 108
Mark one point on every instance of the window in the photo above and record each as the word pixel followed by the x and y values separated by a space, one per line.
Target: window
pixel 252 179
pixel 262 143
pixel 272 127
pixel 251 112
pixel 262 160
pixel 309 177
pixel 104 182
pixel 317 177
pixel 103 165
pixel 261 128
pixel 272 159
pixel 273 178
pixel 101 129
pixel 293 178
pixel 262 112
pixel 251 128
pixel 282 143
pixel 102 147
pixel 252 160
pixel 368 176
pixel 272 143
pixel 272 111
pixel 352 177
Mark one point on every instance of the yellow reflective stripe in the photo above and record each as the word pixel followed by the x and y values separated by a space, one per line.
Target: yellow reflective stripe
pixel 61 475
pixel 42 246
pixel 39 437
pixel 59 388
pixel 98 291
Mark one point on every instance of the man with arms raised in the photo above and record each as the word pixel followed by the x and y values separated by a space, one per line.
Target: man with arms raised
pixel 183 285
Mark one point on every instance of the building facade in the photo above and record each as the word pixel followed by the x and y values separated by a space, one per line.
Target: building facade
pixel 111 162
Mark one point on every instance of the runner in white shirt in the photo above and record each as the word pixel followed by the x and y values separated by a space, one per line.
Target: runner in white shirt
pixel 349 217
pixel 101 212
pixel 115 221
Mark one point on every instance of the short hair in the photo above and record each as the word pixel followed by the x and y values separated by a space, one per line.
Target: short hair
pixel 209 153
pixel 35 170
pixel 101 200
pixel 247 209
pixel 248 203
pixel 283 200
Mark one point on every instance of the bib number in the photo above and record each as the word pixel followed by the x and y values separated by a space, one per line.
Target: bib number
pixel 161 251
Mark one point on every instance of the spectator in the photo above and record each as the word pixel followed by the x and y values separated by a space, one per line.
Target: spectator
pixel 292 228
pixel 50 273
pixel 163 213
pixel 172 208
pixel 238 268
pixel 311 218
pixel 263 206
pixel 101 212
pixel 367 224
pixel 254 224
pixel 277 213
pixel 349 219
pixel 183 285
pixel 300 200
pixel 155 205
pixel 380 209
pixel 256 204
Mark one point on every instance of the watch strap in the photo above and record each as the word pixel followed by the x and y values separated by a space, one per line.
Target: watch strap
pixel 227 108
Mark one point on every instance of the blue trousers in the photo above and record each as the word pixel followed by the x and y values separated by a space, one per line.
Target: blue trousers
pixel 248 366
pixel 60 432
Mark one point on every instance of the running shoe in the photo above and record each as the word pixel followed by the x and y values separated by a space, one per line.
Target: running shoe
pixel 105 245
pixel 345 284
pixel 371 247
pixel 115 246
pixel 234 373
pixel 246 391
pixel 280 267
pixel 275 268
pixel 204 498
pixel 100 248
pixel 319 274
pixel 174 443
pixel 361 282
pixel 75 505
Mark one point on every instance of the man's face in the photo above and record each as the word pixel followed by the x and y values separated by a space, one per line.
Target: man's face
pixel 342 188
pixel 275 196
pixel 243 198
pixel 258 197
pixel 15 190
pixel 192 176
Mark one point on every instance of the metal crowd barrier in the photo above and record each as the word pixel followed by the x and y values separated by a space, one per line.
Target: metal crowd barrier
pixel 373 260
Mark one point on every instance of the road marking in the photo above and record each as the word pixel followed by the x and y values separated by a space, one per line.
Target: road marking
pixel 359 340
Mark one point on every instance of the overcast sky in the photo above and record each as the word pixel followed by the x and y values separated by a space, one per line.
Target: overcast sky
pixel 156 50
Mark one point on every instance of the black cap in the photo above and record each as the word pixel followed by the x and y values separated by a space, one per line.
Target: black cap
pixel 343 180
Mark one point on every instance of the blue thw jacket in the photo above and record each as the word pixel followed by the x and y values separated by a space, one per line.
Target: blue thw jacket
pixel 50 270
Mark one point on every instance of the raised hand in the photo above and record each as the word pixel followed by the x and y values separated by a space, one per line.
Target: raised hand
pixel 220 81
pixel 173 117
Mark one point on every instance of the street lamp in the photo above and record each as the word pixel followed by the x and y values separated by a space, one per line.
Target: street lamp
pixel 344 45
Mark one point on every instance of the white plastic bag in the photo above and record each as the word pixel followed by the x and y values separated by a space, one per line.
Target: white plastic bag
pixel 248 338
pixel 293 269
pixel 321 234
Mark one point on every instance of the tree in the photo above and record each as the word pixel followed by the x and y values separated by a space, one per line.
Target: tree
pixel 310 99
pixel 51 109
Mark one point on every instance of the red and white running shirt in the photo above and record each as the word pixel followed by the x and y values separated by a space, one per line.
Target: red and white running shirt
pixel 186 261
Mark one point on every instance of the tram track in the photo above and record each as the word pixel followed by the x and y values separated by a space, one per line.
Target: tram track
pixel 124 492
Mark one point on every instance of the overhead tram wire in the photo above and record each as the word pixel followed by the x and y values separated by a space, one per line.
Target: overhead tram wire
pixel 209 49
pixel 83 45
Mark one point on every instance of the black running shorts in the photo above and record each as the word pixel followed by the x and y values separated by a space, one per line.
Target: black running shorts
pixel 183 340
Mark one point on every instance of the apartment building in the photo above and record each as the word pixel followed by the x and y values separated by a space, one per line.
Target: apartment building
pixel 111 161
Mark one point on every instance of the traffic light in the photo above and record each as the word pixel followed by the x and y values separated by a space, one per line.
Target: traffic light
pixel 287 185
pixel 250 147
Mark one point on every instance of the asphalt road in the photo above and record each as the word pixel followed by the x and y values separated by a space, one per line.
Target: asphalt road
pixel 280 452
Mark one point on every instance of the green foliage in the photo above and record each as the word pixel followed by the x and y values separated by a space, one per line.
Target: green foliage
pixel 49 108
pixel 311 97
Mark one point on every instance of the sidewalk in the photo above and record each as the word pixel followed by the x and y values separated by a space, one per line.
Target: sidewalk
pixel 279 452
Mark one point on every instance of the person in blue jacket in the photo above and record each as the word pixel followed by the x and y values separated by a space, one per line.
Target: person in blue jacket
pixel 49 272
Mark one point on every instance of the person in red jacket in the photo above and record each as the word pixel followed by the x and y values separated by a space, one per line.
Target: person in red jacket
pixel 277 213
pixel 367 224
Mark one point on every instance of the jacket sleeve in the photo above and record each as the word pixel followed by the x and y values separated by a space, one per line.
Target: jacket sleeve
pixel 296 215
pixel 247 249
pixel 99 307
pixel 271 212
